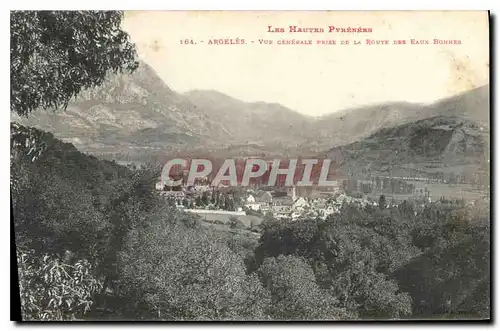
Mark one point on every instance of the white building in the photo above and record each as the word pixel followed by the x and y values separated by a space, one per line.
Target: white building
pixel 280 211
pixel 250 199
pixel 253 206
pixel 251 203
pixel 160 186
pixel 173 194
pixel 299 204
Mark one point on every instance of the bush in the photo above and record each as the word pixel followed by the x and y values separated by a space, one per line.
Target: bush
pixel 235 223
pixel 295 294
pixel 175 273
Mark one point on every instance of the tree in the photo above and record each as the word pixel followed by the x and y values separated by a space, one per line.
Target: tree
pixel 55 215
pixel 204 198
pixel 56 54
pixel 294 292
pixel 229 205
pixel 450 280
pixel 351 255
pixel 55 289
pixel 382 203
pixel 173 273
pixel 235 223
pixel 198 201
pixel 25 145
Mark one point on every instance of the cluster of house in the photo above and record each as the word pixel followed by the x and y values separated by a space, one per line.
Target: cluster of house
pixel 181 192
pixel 295 203
pixel 293 206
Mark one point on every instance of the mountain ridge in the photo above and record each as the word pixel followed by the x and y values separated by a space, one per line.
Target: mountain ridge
pixel 131 116
pixel 439 144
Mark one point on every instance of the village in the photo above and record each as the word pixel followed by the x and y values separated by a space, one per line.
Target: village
pixel 258 201
pixel 293 202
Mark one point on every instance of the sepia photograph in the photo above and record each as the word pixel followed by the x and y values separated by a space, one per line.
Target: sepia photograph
pixel 250 166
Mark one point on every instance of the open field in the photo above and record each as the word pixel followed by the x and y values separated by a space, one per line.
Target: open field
pixel 247 220
pixel 437 190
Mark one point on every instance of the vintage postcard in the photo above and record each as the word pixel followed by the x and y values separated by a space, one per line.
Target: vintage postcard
pixel 250 165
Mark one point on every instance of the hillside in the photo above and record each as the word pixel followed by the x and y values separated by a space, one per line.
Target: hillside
pixel 473 105
pixel 434 143
pixel 129 113
pixel 268 123
pixel 349 125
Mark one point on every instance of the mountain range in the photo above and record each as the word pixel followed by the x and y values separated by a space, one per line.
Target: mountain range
pixel 133 117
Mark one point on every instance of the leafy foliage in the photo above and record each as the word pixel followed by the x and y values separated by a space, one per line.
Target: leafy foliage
pixel 56 54
pixel 452 277
pixel 54 289
pixel 171 272
pixel 295 294
pixel 158 263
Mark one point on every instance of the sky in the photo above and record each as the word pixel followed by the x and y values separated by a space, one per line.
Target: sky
pixel 316 79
